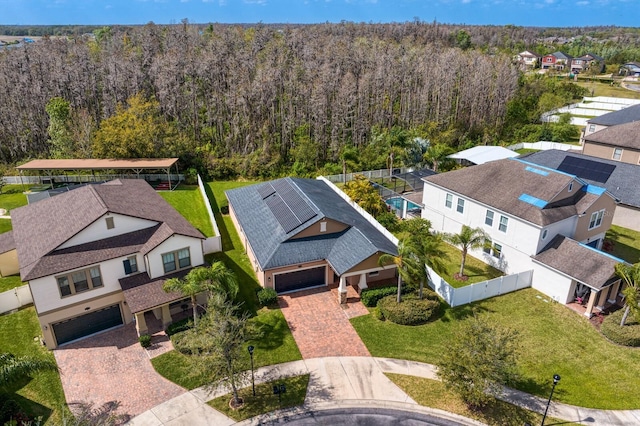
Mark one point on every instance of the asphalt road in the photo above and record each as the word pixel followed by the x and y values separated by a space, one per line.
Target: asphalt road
pixel 365 417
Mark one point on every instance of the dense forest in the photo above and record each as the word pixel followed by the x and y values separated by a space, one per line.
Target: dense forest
pixel 263 100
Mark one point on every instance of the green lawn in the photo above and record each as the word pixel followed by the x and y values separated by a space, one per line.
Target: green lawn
pixel 7 283
pixel 553 340
pixel 476 270
pixel 432 393
pixel 5 225
pixel 626 243
pixel 606 89
pixel 12 197
pixel 188 201
pixel 265 401
pixel 276 345
pixel 42 395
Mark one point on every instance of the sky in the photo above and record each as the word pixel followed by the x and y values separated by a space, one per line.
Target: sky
pixel 540 13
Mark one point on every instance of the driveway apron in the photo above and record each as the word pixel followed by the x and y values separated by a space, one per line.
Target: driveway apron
pixel 112 367
pixel 319 325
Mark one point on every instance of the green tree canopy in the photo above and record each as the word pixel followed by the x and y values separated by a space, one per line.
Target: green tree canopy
pixel 365 195
pixel 468 239
pixel 61 144
pixel 630 275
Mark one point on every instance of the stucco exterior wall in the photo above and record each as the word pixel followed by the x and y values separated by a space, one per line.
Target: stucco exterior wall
pixel 174 243
pixel 332 227
pixel 582 232
pixel 553 284
pixel 98 229
pixel 629 155
pixel 249 251
pixel 9 263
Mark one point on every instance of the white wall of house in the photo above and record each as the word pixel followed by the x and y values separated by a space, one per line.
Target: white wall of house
pixel 554 284
pixel 564 227
pixel 46 294
pixel 98 229
pixel 171 244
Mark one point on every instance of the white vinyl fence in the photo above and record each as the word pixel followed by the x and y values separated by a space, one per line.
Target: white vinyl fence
pixel 479 291
pixel 211 244
pixel 15 299
pixel 545 145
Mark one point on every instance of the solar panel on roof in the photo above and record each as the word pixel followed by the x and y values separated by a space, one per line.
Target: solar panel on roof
pixel 288 206
pixel 282 213
pixel 587 169
pixel 266 190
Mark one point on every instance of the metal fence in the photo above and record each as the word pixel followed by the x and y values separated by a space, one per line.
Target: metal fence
pixel 479 291
pixel 15 299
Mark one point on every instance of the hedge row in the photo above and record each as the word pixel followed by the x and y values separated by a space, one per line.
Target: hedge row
pixel 370 296
pixel 411 311
pixel 627 335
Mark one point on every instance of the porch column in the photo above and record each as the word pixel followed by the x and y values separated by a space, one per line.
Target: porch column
pixel 602 299
pixel 342 290
pixel 592 301
pixel 362 283
pixel 166 316
pixel 141 324
pixel 613 296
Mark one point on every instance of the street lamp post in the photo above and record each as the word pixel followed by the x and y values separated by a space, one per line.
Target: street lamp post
pixel 556 379
pixel 253 383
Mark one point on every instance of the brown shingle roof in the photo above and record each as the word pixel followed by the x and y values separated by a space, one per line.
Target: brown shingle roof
pixel 623 135
pixel 499 184
pixel 143 293
pixel 7 243
pixel 41 227
pixel 585 264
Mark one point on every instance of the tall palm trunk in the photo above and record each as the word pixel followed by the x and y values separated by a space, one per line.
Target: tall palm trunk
pixel 464 259
pixel 624 316
pixel 399 288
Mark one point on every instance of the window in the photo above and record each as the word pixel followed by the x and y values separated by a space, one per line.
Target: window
pixel 79 281
pixel 592 128
pixel 544 234
pixel 596 219
pixel 130 265
pixel 617 153
pixel 487 246
pixel 504 223
pixel 110 224
pixel 323 226
pixel 497 250
pixel 183 260
pixel 460 207
pixel 488 219
pixel 448 202
pixel 570 186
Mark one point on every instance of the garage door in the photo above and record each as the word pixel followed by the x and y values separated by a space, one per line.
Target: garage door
pixel 87 324
pixel 300 279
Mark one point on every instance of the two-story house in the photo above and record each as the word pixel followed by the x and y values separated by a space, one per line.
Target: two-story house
pixel 587 61
pixel 522 207
pixel 556 61
pixel 527 59
pixel 619 143
pixel 300 233
pixel 615 118
pixel 96 257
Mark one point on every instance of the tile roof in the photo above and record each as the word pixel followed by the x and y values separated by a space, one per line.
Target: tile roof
pixel 7 243
pixel 41 227
pixel 582 263
pixel 273 247
pixel 143 293
pixel 625 115
pixel 501 185
pixel 623 135
pixel 622 183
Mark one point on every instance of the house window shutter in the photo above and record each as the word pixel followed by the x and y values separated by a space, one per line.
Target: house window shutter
pixel 127 266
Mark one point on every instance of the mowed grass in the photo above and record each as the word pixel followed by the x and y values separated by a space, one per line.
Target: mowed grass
pixel 10 282
pixel 552 340
pixel 41 395
pixel 475 269
pixel 5 225
pixel 276 344
pixel 626 243
pixel 432 393
pixel 189 202
pixel 606 89
pixel 12 197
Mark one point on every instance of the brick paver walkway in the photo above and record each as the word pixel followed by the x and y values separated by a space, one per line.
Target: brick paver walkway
pixel 319 325
pixel 112 366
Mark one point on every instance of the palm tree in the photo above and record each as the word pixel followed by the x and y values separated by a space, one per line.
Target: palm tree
pixel 468 239
pixel 216 279
pixel 437 154
pixel 630 274
pixel 430 253
pixel 13 368
pixel 407 262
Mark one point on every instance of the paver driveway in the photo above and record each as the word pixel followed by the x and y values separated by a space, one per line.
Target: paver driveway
pixel 319 325
pixel 112 366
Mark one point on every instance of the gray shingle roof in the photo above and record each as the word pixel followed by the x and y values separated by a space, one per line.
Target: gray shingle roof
pixel 143 293
pixel 7 243
pixel 582 263
pixel 623 135
pixel 41 227
pixel 501 184
pixel 625 115
pixel 622 183
pixel 273 247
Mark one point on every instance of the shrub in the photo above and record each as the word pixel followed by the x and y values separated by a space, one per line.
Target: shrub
pixel 377 314
pixel 267 296
pixel 179 326
pixel 371 296
pixel 411 311
pixel 145 340
pixel 627 335
pixel 183 342
pixel 224 209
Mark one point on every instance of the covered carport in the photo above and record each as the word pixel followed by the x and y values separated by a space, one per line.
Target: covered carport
pixel 133 166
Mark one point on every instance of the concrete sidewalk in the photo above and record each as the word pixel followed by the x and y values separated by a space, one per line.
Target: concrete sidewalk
pixel 352 382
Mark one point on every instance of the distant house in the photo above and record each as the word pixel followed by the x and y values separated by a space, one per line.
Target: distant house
pixel 620 179
pixel 527 59
pixel 588 61
pixel 524 208
pixel 625 115
pixel 556 61
pixel 96 257
pixel 630 69
pixel 299 234
pixel 619 143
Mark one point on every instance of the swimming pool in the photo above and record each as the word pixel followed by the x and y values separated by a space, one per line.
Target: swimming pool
pixel 396 203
